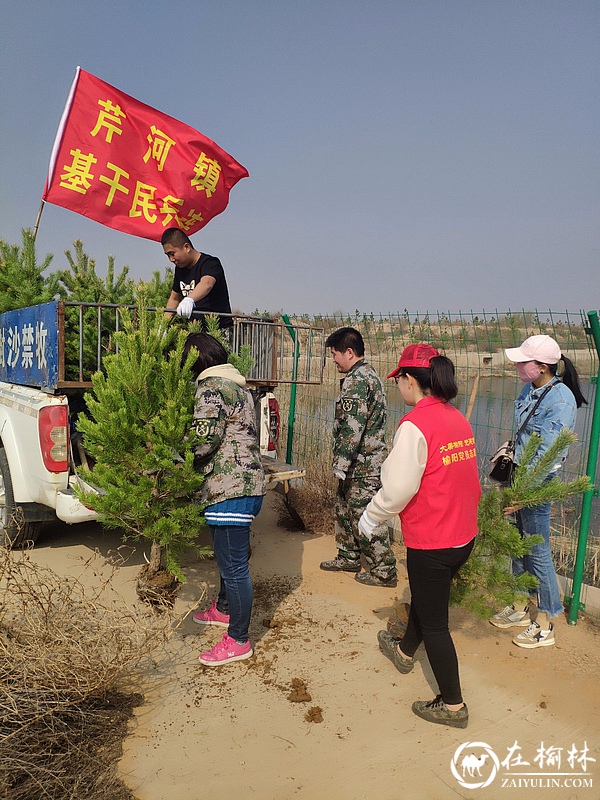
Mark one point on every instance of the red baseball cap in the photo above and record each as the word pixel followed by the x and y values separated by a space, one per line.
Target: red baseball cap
pixel 415 355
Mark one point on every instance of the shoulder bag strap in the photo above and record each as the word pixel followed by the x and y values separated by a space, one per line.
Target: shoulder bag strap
pixel 533 410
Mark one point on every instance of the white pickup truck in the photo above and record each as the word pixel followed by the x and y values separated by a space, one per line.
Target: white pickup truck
pixel 38 460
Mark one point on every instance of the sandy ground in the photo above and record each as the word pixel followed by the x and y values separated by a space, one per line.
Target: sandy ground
pixel 234 732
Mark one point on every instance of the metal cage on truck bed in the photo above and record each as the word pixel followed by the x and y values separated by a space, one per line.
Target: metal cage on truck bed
pixel 59 345
pixel 282 352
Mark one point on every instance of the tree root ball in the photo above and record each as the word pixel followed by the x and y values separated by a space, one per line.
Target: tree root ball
pixel 157 588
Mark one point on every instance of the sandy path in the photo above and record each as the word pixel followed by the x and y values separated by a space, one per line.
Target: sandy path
pixel 232 732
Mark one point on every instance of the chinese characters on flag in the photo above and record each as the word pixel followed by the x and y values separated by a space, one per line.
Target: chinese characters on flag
pixel 132 168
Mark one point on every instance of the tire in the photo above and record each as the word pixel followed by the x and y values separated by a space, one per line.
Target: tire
pixel 15 531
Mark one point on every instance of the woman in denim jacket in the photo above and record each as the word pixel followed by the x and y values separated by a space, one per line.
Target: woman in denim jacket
pixel 537 362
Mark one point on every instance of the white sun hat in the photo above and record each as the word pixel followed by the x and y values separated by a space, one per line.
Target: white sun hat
pixel 541 348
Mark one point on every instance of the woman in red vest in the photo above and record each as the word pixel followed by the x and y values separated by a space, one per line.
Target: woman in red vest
pixel 430 479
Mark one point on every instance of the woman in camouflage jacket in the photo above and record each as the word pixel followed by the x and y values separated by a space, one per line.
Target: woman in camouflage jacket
pixel 232 492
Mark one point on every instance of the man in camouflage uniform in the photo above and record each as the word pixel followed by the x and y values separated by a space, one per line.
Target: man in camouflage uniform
pixel 359 450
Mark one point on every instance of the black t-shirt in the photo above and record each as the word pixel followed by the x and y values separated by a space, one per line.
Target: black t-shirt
pixel 217 300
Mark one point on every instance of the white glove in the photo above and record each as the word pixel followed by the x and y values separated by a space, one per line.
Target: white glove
pixel 339 474
pixel 185 308
pixel 366 526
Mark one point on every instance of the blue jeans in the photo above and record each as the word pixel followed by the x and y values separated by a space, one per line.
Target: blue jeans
pixel 231 544
pixel 538 562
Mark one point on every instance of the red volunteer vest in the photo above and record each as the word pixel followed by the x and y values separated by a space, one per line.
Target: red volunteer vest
pixel 443 513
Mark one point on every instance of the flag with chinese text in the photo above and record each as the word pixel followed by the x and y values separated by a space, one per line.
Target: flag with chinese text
pixel 135 169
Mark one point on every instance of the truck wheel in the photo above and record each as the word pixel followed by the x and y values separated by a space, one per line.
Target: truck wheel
pixel 15 531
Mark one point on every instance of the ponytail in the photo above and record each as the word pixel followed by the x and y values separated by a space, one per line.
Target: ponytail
pixel 437 379
pixel 570 378
pixel 443 382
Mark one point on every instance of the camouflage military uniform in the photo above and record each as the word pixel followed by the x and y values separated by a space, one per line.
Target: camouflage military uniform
pixel 229 456
pixel 359 450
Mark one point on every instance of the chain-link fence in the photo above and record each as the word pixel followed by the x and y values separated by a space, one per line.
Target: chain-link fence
pixel 488 386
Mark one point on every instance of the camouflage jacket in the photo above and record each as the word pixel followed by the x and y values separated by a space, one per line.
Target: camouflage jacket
pixel 229 455
pixel 359 447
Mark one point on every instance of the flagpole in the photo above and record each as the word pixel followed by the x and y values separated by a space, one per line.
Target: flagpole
pixel 37 222
pixel 56 147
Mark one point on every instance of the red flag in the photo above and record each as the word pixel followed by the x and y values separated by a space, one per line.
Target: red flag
pixel 128 166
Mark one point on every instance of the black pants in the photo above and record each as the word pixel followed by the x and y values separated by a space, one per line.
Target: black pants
pixel 430 574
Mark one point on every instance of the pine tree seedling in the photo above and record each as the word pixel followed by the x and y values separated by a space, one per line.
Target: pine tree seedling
pixel 486 583
pixel 138 434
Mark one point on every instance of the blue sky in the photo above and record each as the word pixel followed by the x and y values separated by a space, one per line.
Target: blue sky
pixel 420 154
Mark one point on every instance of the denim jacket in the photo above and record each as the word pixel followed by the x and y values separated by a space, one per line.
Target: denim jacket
pixel 557 410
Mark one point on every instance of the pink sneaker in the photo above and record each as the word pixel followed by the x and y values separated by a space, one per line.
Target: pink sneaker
pixel 225 651
pixel 212 616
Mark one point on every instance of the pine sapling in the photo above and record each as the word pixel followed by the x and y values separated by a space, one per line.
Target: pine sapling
pixel 486 581
pixel 138 435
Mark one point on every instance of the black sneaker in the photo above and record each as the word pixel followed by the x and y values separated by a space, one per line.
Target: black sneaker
pixel 368 579
pixel 436 711
pixel 389 647
pixel 340 564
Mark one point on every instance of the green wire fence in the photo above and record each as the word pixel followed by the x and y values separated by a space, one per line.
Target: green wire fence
pixel 488 386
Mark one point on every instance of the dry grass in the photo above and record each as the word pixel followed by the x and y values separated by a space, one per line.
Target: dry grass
pixel 314 502
pixel 564 534
pixel 72 660
pixel 314 496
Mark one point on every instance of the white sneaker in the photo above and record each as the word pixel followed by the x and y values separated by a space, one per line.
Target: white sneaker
pixel 509 618
pixel 535 636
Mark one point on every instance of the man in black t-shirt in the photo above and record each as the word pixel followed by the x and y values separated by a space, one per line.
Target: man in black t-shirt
pixel 199 282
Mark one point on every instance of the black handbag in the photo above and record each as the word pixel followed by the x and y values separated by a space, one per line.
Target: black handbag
pixel 504 457
pixel 504 462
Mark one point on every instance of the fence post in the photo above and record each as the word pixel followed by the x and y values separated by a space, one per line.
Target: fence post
pixel 586 506
pixel 292 411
